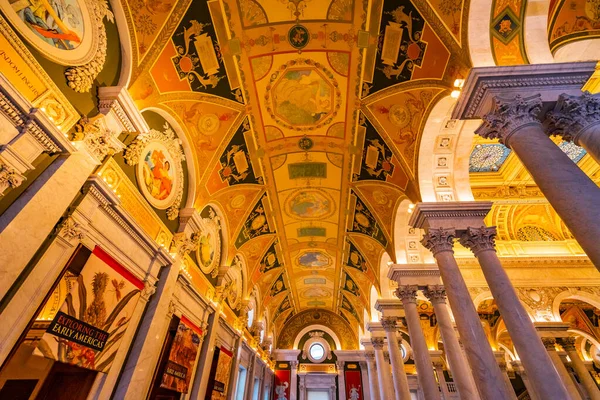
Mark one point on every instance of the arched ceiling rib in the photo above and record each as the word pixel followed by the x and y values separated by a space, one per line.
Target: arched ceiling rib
pixel 305 121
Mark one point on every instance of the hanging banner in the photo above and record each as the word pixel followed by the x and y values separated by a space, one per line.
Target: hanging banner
pixel 281 388
pixel 88 329
pixel 182 357
pixel 221 379
pixel 353 385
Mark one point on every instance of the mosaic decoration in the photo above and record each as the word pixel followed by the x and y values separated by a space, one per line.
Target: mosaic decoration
pixel 270 260
pixel 532 233
pixel 277 287
pixel 236 165
pixel 310 204
pixel 572 20
pixel 314 259
pixel 364 222
pixel 349 285
pixel 302 95
pixel 488 157
pixel 209 247
pixel 574 152
pixel 355 259
pixel 256 224
pixel 507 34
pixel 298 36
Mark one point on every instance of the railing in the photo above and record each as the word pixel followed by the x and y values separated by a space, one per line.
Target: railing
pixel 451 387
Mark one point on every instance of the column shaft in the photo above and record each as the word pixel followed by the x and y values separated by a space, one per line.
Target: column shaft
pixel 590 141
pixel 383 372
pixel 486 372
pixel 439 370
pixel 533 355
pixel 458 365
pixel 398 371
pixel 341 380
pixel 502 364
pixel 294 381
pixel 408 295
pixel 580 368
pixel 373 381
pixel 566 379
pixel 365 380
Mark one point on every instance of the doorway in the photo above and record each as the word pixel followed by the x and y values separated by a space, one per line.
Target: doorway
pixel 314 394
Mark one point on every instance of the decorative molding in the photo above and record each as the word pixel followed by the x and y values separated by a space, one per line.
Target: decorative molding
pixel 98 140
pixel 436 294
pixel 148 290
pixel 118 100
pixel 71 229
pixel 567 343
pixel 456 214
pixel 9 178
pixel 389 324
pixel 510 115
pixel 81 78
pixel 183 244
pixel 377 343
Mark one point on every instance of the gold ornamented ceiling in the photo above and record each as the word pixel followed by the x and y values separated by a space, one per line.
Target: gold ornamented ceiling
pixel 305 119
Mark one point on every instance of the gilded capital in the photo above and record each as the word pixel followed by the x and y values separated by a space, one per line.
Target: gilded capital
pixel 407 293
pixel 479 239
pixel 572 115
pixel 439 240
pixel 389 324
pixel 377 343
pixel 509 115
pixel 435 293
pixel 567 343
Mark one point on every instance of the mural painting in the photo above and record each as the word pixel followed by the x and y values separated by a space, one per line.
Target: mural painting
pixel 178 371
pixel 572 20
pixel 364 222
pixel 314 259
pixel 236 165
pixel 157 172
pixel 507 34
pixel 349 285
pixel 256 224
pixel 310 204
pixel 278 286
pixel 356 259
pixel 270 260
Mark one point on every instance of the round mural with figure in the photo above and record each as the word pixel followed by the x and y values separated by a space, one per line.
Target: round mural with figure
pixel 303 95
pixel 157 175
pixel 63 31
pixel 310 204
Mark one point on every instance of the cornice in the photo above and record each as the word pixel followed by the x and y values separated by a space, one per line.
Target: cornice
pixel 464 212
pixel 516 262
pixel 483 83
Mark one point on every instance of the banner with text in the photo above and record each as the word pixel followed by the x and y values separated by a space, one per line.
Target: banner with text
pixel 182 357
pixel 88 329
pixel 221 379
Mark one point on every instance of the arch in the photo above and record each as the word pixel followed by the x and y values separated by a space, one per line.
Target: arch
pixel 487 295
pixel 535 32
pixel 373 297
pixel 480 45
pixel 323 328
pixel 576 295
pixel 187 150
pixel 444 151
pixel 126 43
pixel 582 50
pixel 408 247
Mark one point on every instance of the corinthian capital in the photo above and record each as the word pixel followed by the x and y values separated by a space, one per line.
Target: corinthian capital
pixel 479 239
pixel 509 115
pixel 377 343
pixel 567 343
pixel 435 293
pixel 438 240
pixel 572 115
pixel 389 324
pixel 549 343
pixel 407 293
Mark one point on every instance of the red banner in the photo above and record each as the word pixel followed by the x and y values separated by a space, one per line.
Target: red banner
pixel 183 353
pixel 353 385
pixel 281 389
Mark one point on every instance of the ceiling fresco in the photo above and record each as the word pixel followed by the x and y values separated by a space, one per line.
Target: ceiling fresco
pixel 304 121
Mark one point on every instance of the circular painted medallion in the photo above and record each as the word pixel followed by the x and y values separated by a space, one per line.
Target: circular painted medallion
pixel 208 124
pixel 298 36
pixel 63 31
pixel 399 116
pixel 305 143
pixel 157 175
pixel 310 204
pixel 209 248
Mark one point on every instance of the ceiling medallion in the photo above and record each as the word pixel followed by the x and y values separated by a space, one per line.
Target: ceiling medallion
pixel 310 204
pixel 298 36
pixel 302 95
pixel 305 143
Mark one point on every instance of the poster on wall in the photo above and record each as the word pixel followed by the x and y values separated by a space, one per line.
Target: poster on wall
pixel 353 385
pixel 221 379
pixel 182 357
pixel 281 388
pixel 88 329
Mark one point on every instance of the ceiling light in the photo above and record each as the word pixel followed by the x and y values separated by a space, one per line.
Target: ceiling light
pixel 411 206
pixel 455 94
pixel 458 83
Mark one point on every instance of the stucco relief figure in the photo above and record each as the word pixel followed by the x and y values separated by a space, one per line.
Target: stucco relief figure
pixel 280 391
pixel 354 394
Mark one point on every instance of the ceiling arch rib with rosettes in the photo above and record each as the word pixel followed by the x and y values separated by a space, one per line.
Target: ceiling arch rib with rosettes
pixel 305 121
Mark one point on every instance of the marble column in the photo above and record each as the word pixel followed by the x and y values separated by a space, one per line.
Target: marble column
pixel 341 380
pixel 518 367
pixel 408 295
pixel 486 373
pixel 454 354
pixel 234 373
pixel 366 381
pixel 294 380
pixel 383 370
pixel 301 387
pixel 373 381
pixel 439 370
pixel 577 119
pixel 535 359
pixel 550 344
pixel 569 190
pixel 249 390
pixel 501 359
pixel 568 343
pixel 398 372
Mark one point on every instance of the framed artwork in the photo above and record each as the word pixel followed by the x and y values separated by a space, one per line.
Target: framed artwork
pixel 209 248
pixel 66 32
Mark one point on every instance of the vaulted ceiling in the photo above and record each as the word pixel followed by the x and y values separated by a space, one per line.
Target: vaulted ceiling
pixel 304 118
